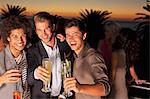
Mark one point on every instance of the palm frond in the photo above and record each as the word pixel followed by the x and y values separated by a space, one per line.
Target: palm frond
pixel 94 20
pixel 12 10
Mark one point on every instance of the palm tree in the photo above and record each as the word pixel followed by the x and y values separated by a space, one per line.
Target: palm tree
pixel 12 10
pixel 143 34
pixel 145 19
pixel 94 20
pixel 58 23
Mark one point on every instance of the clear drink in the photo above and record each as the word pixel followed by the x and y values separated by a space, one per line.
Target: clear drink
pixel 46 63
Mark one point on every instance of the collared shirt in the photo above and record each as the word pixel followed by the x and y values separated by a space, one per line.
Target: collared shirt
pixel 90 68
pixel 54 55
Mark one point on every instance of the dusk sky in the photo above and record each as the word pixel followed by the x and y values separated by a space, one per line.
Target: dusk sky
pixel 121 9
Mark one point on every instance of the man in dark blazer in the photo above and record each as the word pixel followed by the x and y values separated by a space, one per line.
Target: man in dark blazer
pixel 47 47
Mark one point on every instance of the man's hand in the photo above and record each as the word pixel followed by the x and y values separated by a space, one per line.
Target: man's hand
pixel 71 84
pixel 61 37
pixel 10 76
pixel 41 73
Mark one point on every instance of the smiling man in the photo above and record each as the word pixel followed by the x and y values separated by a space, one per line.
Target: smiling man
pixel 47 47
pixel 14 31
pixel 89 79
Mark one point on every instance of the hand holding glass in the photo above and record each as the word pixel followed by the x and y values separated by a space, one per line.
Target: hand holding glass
pixel 66 72
pixel 46 63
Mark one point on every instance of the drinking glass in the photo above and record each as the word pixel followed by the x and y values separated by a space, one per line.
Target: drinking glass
pixel 17 93
pixel 66 72
pixel 46 63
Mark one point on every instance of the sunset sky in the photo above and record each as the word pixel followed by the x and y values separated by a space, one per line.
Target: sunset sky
pixel 121 9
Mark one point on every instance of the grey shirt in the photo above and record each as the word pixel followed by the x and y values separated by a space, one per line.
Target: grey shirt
pixel 89 68
pixel 7 62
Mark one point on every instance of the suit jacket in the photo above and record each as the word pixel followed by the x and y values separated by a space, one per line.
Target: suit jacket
pixel 35 54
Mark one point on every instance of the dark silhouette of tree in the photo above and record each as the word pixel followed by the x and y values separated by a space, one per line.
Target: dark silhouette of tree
pixel 59 22
pixel 145 19
pixel 12 10
pixel 94 20
pixel 143 35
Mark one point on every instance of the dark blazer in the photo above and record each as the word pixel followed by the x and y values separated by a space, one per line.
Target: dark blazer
pixel 34 58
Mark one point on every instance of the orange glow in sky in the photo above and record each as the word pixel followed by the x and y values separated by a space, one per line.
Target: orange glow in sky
pixel 121 9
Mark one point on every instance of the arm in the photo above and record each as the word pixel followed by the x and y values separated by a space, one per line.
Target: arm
pixel 114 62
pixel 133 73
pixel 32 64
pixel 101 87
pixel 95 89
pixel 10 76
pixel 35 72
pixel 134 76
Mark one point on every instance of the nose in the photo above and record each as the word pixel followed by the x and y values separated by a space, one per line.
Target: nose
pixel 70 37
pixel 20 39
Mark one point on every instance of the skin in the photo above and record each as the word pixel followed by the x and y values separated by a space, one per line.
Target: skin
pixel 135 77
pixel 17 42
pixel 1 44
pixel 44 33
pixel 75 38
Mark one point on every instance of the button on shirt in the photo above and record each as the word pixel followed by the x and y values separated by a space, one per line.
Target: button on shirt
pixel 54 55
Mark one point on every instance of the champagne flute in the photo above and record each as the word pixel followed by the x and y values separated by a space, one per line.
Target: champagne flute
pixel 46 63
pixel 66 72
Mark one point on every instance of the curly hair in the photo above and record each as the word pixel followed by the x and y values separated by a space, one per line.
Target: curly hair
pixel 14 22
pixel 130 45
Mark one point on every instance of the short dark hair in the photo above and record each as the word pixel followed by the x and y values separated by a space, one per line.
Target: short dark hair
pixel 77 23
pixel 14 22
pixel 42 16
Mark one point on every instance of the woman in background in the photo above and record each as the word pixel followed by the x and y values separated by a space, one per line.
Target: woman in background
pixel 118 67
pixel 105 46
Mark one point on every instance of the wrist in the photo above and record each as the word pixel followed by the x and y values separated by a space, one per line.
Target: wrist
pixel 35 74
pixel 2 81
pixel 78 88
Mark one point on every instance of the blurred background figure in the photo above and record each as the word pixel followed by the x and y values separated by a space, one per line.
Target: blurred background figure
pixel 131 47
pixel 118 68
pixel 1 40
pixel 105 45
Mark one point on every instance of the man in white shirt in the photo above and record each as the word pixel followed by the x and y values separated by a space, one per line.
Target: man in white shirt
pixel 48 47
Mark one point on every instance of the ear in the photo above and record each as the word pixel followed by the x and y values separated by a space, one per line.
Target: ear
pixel 8 38
pixel 53 29
pixel 84 36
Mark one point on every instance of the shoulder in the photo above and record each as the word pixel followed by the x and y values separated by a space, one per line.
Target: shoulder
pixel 34 47
pixel 118 52
pixel 2 54
pixel 94 55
